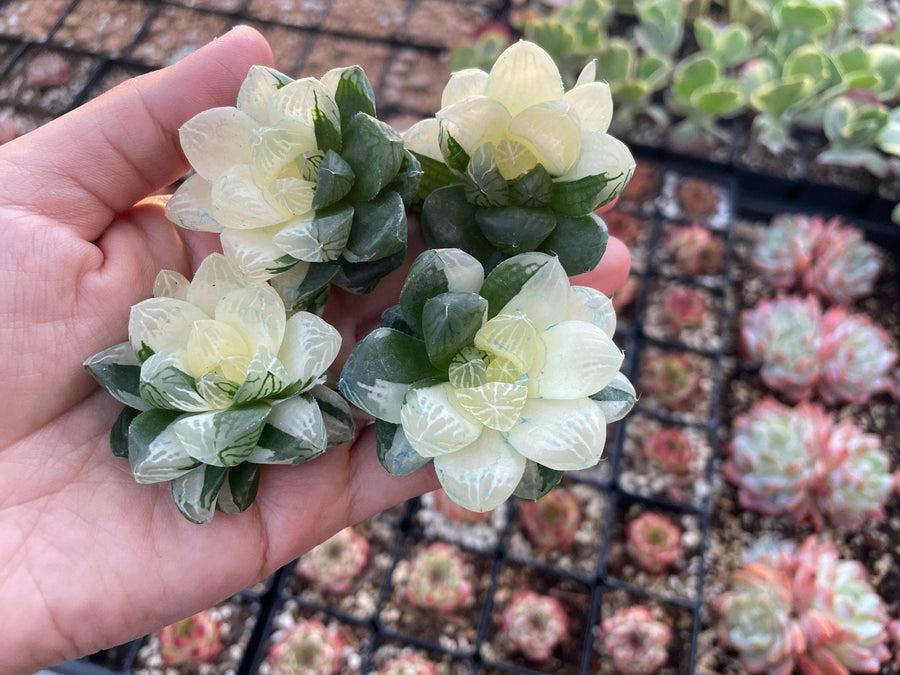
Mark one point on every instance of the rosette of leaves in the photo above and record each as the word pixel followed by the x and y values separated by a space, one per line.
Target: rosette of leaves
pixel 302 181
pixel 504 382
pixel 216 381
pixel 513 163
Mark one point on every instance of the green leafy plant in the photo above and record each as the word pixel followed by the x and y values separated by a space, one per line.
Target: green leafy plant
pixel 504 382
pixel 514 163
pixel 660 28
pixel 216 381
pixel 634 76
pixel 302 181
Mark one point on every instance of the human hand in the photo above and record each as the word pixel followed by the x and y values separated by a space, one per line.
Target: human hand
pixel 90 558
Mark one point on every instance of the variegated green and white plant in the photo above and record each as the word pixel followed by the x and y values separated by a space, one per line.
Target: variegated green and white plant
pixel 513 163
pixel 302 181
pixel 504 381
pixel 217 380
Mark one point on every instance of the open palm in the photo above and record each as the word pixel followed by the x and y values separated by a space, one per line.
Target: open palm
pixel 89 558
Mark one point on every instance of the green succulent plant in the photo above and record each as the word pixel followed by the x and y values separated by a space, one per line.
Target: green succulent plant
pixel 660 28
pixel 302 181
pixel 217 381
pixel 634 76
pixel 515 163
pixel 858 133
pixel 503 381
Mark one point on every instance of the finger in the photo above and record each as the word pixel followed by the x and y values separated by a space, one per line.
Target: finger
pixel 611 272
pixel 103 157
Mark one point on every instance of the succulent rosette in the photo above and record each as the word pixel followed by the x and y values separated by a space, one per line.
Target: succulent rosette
pixel 783 335
pixel 846 267
pixel 216 381
pixel 301 180
pixel 514 163
pixel 784 251
pixel 504 382
pixel 774 458
pixel 755 618
pixel 636 642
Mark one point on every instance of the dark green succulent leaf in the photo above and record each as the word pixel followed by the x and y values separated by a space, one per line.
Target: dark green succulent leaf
pixel 195 492
pixel 537 481
pixel 374 151
pixel 354 94
pixel 392 317
pixel 408 178
pixel 433 272
pixel 118 371
pixel 298 294
pixel 533 189
pixel 379 229
pixel 507 279
pixel 118 437
pixel 395 453
pixel 328 136
pixel 224 437
pixel 363 277
pixel 167 386
pixel 239 489
pixel 435 175
pixel 336 415
pixel 454 155
pixel 515 229
pixel 276 446
pixel 321 238
pixel 154 451
pixel 448 221
pixel 578 241
pixel 579 197
pixel 449 323
pixel 282 264
pixel 617 398
pixel 380 369
pixel 485 185
pixel 335 178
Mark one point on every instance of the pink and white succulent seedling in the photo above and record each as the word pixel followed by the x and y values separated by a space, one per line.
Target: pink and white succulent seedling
pixel 192 641
pixel 698 197
pixel 308 647
pixel 335 563
pixel 672 379
pixel 437 578
pixel 653 542
pixel 623 225
pixel 408 663
pixel 670 450
pixel 696 249
pixel 856 358
pixel 857 481
pixel 635 641
pixel 805 608
pixel 534 624
pixel 846 267
pixel 774 458
pixel 843 617
pixel 683 308
pixel 755 618
pixel 784 336
pixel 784 251
pixel 552 521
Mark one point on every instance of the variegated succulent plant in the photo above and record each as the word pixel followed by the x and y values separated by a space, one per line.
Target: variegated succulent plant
pixel 846 266
pixel 302 181
pixel 335 563
pixel 192 641
pixel 217 380
pixel 774 458
pixel 784 251
pixel 513 163
pixel 783 335
pixel 856 358
pixel 504 381
pixel 653 542
pixel 534 624
pixel 306 647
pixel 636 642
